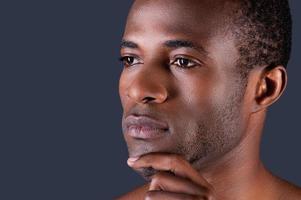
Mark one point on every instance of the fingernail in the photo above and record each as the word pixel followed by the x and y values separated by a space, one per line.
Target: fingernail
pixel 131 161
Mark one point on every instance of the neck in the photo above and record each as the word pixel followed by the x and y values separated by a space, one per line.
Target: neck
pixel 240 174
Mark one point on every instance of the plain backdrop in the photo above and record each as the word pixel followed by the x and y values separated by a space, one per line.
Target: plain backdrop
pixel 60 128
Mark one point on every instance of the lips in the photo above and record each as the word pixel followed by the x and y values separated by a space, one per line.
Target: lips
pixel 144 127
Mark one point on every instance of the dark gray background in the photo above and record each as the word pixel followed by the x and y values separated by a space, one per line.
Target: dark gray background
pixel 60 111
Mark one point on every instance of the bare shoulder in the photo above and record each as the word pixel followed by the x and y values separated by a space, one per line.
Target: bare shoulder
pixel 136 194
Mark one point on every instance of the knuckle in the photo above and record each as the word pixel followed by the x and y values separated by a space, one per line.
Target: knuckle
pixel 158 179
pixel 151 195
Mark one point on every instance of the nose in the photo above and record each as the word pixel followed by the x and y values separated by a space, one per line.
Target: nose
pixel 148 87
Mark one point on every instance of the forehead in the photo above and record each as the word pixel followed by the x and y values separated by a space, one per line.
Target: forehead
pixel 180 16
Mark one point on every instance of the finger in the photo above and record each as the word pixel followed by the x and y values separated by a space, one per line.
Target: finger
pixel 169 162
pixel 169 182
pixel 160 195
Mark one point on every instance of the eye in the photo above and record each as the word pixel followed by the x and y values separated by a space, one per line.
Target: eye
pixel 184 63
pixel 129 60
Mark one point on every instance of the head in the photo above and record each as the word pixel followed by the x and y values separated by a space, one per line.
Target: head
pixel 204 68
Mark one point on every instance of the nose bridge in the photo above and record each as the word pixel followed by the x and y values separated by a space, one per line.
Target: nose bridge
pixel 149 84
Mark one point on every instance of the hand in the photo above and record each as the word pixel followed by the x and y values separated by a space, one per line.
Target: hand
pixel 176 179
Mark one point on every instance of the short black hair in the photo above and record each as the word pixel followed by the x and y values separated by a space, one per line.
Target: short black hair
pixel 263 32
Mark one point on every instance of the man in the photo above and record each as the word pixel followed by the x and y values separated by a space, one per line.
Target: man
pixel 198 78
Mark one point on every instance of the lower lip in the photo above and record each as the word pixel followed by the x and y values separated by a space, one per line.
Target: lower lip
pixel 145 132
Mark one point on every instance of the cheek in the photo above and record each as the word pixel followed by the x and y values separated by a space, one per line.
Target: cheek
pixel 202 94
pixel 122 88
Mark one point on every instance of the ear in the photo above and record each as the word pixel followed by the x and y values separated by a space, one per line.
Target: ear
pixel 270 87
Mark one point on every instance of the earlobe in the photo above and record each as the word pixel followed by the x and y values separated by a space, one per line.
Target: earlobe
pixel 270 87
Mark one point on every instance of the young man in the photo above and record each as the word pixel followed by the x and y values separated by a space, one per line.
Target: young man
pixel 198 78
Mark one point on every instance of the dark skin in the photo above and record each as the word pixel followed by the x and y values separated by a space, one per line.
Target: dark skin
pixel 179 68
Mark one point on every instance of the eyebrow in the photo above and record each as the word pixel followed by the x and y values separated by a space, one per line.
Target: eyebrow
pixel 128 44
pixel 175 44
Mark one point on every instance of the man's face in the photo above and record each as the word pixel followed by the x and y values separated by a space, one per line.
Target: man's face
pixel 180 70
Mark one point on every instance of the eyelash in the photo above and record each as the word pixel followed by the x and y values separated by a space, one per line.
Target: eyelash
pixel 190 63
pixel 176 61
pixel 126 63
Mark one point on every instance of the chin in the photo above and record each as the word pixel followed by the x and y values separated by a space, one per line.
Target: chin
pixel 138 150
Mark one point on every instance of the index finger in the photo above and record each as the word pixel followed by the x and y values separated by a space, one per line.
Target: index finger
pixel 169 162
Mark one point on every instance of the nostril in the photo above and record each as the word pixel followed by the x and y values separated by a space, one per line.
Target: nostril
pixel 148 99
pixel 144 92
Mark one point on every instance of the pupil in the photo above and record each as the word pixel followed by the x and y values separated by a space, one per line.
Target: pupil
pixel 130 59
pixel 184 62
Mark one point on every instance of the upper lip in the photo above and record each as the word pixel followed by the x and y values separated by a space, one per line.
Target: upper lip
pixel 144 121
